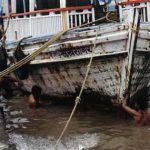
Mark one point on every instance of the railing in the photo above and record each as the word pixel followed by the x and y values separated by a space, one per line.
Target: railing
pixel 125 9
pixel 45 22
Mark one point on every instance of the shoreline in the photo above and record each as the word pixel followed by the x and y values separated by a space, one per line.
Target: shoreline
pixel 4 135
pixel 4 138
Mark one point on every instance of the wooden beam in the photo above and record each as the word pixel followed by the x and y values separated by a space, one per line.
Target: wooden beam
pixel 64 15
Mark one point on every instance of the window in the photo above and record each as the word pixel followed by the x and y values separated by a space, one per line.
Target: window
pixel 71 3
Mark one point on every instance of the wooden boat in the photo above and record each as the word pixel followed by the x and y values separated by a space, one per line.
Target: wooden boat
pixel 119 57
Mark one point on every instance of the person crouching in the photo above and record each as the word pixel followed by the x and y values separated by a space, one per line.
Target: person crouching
pixel 34 97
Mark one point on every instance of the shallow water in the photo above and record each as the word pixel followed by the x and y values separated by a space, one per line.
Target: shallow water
pixel 93 128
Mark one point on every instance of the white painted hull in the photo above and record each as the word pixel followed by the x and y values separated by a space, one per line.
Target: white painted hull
pixel 65 78
pixel 61 68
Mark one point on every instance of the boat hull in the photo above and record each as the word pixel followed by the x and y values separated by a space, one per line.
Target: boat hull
pixel 66 78
pixel 60 69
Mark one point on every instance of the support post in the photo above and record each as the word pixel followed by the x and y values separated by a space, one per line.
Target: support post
pixel 148 11
pixel 5 7
pixel 132 48
pixel 64 15
pixel 31 8
pixel 31 4
pixel 24 6
pixel 120 13
pixel 13 6
pixel 93 12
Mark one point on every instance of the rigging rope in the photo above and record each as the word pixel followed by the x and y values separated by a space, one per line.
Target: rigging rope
pixel 30 57
pixel 108 19
pixel 78 98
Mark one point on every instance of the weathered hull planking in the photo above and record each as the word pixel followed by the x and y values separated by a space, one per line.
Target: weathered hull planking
pixel 120 56
pixel 61 68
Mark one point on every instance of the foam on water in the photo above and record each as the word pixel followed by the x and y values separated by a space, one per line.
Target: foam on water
pixel 3 146
pixel 78 142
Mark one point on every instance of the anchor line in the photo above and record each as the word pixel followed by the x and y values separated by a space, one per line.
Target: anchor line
pixel 78 98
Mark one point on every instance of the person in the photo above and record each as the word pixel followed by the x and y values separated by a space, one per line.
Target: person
pixel 34 97
pixel 100 8
pixel 5 84
pixel 141 113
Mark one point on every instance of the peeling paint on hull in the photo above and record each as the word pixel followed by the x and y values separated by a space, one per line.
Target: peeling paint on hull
pixel 66 78
pixel 61 68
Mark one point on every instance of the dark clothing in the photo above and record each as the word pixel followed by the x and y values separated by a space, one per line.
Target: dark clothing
pixel 3 58
pixel 6 85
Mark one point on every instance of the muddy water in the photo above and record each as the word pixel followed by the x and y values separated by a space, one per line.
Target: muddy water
pixel 93 128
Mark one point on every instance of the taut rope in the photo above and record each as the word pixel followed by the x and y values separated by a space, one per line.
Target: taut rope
pixel 30 57
pixel 78 98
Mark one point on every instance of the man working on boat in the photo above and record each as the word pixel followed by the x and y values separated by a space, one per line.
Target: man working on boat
pixel 34 97
pixel 5 85
pixel 141 113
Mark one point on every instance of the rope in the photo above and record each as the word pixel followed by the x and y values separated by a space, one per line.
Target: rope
pixel 30 57
pixel 78 98
pixel 108 19
pixel 34 54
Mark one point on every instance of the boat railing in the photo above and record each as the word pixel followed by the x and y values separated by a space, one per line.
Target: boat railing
pixel 45 22
pixel 126 8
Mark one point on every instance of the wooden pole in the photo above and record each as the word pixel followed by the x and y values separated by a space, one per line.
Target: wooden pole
pixel 24 6
pixel 31 5
pixel 13 6
pixel 5 7
pixel 64 15
pixel 135 30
